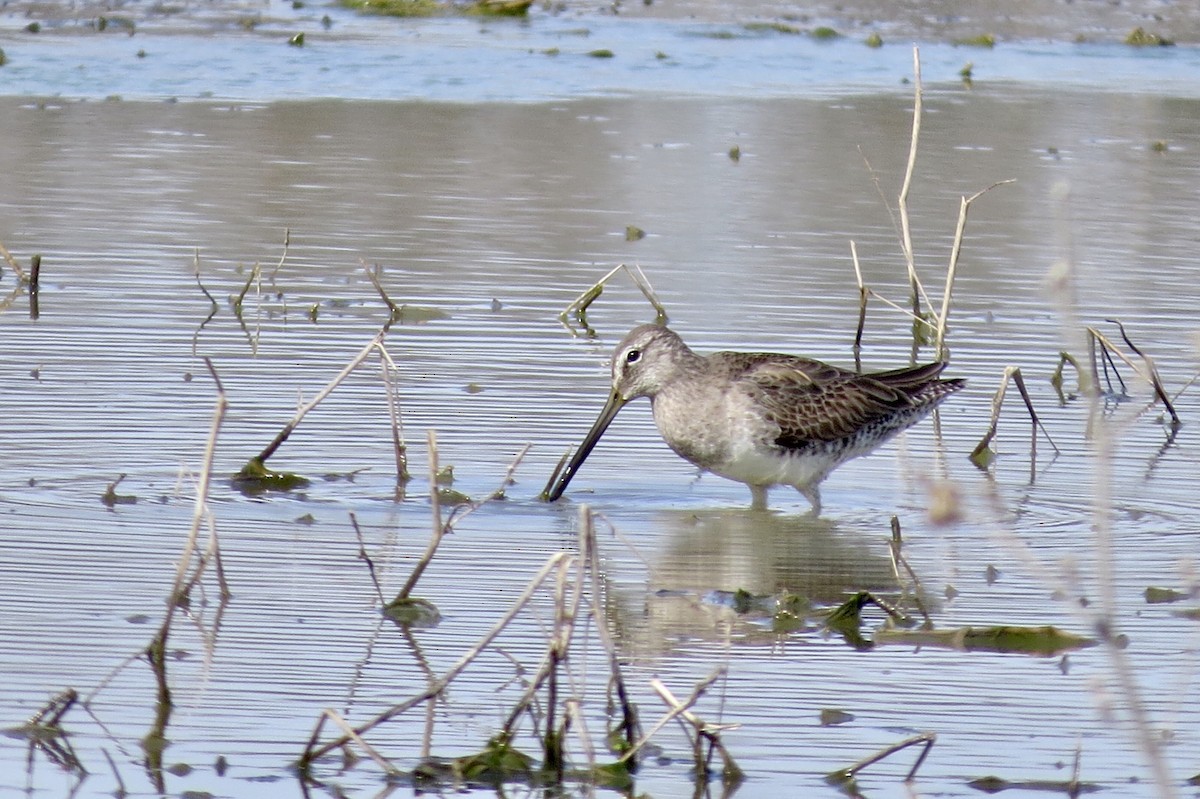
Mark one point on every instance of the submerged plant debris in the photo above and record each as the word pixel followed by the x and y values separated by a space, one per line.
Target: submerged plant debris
pixel 431 8
pixel 1045 641
pixel 256 478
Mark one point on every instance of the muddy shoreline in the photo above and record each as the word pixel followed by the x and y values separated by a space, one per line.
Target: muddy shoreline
pixel 938 21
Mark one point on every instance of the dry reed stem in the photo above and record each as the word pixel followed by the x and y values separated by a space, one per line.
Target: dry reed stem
pixel 203 484
pixel 677 708
pixel 703 730
pixel 863 293
pixel 12 297
pixel 573 708
pixel 906 245
pixel 390 372
pixel 917 289
pixel 12 262
pixel 1151 373
pixel 214 307
pixel 895 546
pixel 321 395
pixel 556 652
pixel 287 241
pixel 461 512
pixel 371 751
pixel 591 552
pixel 363 556
pixel 926 738
pixel 580 304
pixel 435 509
pixel 35 271
pixel 394 310
pixel 952 270
pixel 1012 373
pixel 120 792
pixel 312 752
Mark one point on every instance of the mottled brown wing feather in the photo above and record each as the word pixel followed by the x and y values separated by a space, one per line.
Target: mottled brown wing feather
pixel 814 402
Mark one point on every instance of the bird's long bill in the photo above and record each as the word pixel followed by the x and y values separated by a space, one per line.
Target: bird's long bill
pixel 558 483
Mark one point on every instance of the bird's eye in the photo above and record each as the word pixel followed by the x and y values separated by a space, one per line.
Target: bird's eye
pixel 633 356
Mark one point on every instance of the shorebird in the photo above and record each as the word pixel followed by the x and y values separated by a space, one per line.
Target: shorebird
pixel 760 418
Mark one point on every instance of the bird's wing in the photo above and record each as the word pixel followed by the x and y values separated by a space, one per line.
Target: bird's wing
pixel 813 402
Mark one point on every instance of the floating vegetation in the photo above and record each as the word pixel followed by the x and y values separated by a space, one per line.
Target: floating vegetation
pixel 297 40
pixel 1066 787
pixel 1159 596
pixel 1045 641
pixel 432 8
pixel 413 612
pixel 1159 146
pixel 735 153
pixel 982 40
pixel 773 27
pixel 102 24
pixel 601 53
pixel 111 498
pixel 874 40
pixel 3 57
pixel 831 717
pixel 634 233
pixel 499 762
pixel 500 8
pixel 256 478
pixel 825 34
pixel 397 8
pixel 1140 37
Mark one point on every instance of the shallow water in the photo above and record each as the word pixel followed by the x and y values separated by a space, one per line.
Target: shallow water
pixel 498 215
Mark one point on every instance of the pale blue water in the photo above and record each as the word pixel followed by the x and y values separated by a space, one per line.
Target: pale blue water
pixel 470 60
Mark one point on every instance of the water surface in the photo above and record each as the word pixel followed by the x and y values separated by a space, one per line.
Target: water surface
pixel 498 215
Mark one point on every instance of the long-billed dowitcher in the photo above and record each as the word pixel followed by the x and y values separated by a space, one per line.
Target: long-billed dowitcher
pixel 760 418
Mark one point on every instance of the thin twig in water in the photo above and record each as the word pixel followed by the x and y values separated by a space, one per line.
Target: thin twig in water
pixel 926 738
pixel 862 299
pixel 312 752
pixel 906 245
pixel 390 372
pixel 952 270
pixel 1151 372
pixel 1012 373
pixel 120 791
pixel 200 506
pixel 12 262
pixel 579 306
pixel 214 306
pixel 287 241
pixel 321 395
pixel 439 528
pixel 895 547
pixel 363 556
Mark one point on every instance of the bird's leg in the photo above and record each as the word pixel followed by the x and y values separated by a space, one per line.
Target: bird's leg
pixel 813 494
pixel 758 497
